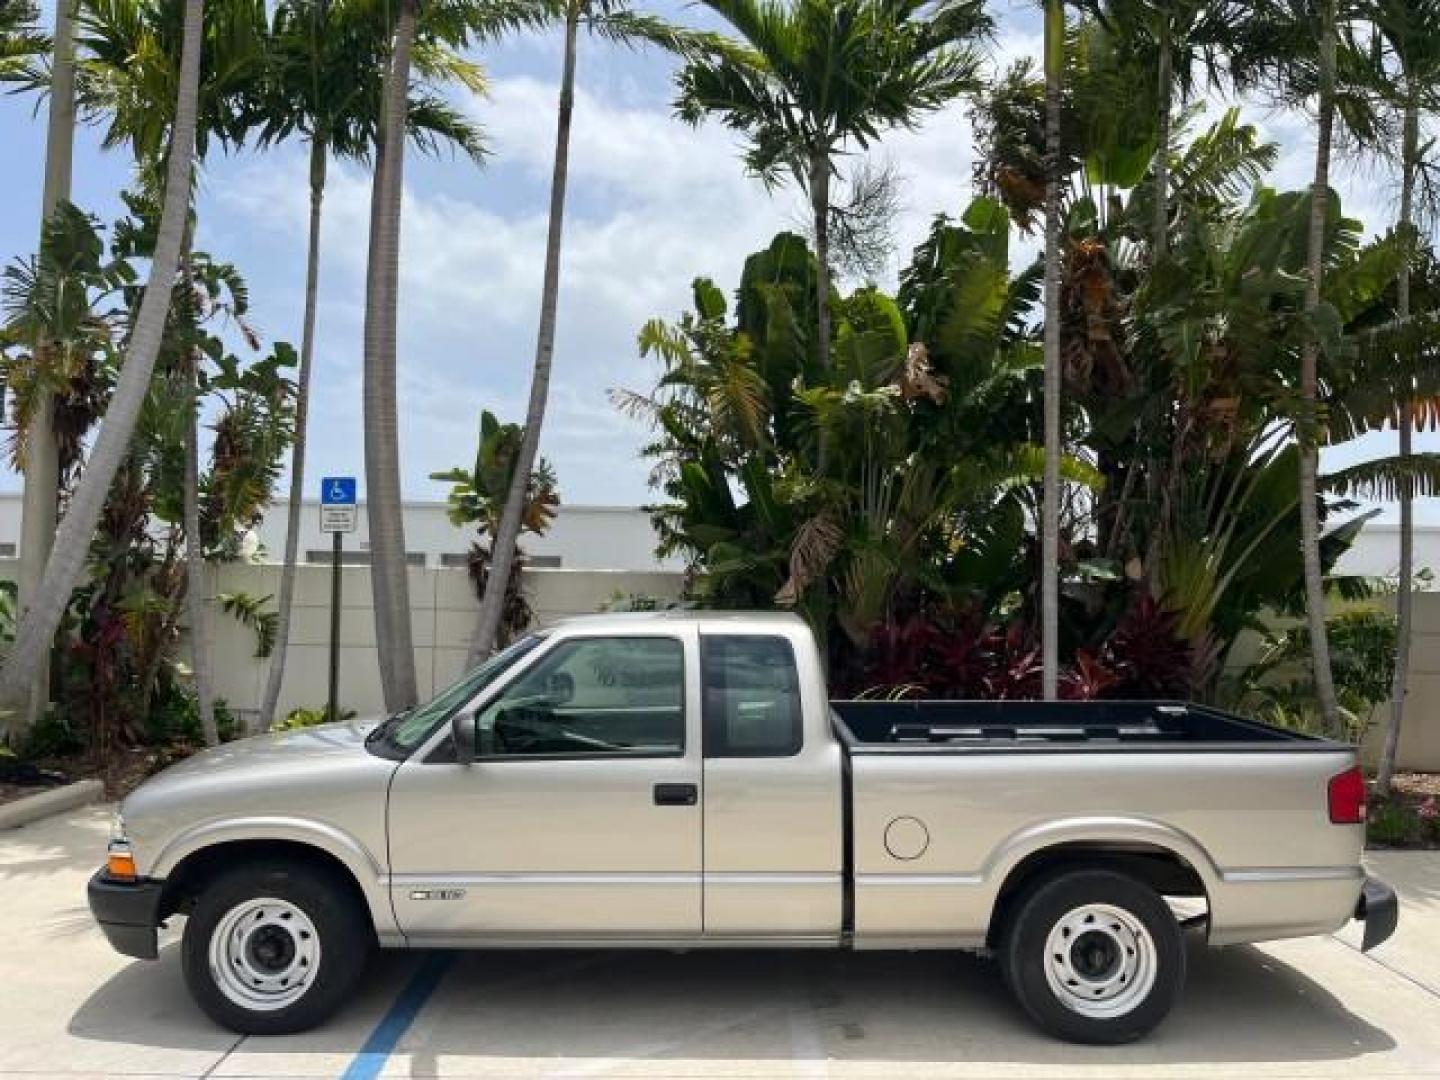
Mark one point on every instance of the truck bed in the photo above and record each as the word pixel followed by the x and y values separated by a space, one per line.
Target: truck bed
pixel 949 798
pixel 876 726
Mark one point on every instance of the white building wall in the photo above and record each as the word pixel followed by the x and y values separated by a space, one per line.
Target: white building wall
pixel 581 537
pixel 1376 551
pixel 622 538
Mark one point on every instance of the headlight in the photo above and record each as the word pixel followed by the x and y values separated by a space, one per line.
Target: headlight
pixel 117 826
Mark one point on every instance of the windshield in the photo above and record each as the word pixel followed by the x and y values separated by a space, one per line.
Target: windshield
pixel 403 732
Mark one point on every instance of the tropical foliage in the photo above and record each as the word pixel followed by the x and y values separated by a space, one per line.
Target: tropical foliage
pixel 1278 685
pixel 477 497
pixel 928 414
pixel 22 43
pixel 121 633
pixel 1179 501
pixel 1094 475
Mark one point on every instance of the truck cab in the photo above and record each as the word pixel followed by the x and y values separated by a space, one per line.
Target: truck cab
pixel 643 780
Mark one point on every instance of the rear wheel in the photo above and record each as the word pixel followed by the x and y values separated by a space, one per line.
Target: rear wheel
pixel 1094 956
pixel 274 948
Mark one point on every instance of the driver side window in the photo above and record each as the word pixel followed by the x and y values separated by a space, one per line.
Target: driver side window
pixel 592 697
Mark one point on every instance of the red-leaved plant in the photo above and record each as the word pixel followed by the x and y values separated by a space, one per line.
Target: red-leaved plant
pixel 1145 651
pixel 955 655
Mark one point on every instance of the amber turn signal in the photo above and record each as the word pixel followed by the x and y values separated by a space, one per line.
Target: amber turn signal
pixel 120 864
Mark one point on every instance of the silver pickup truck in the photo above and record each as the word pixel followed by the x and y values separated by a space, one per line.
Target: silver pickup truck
pixel 682 781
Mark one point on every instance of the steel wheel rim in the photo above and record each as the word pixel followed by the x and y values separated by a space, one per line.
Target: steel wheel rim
pixel 1100 961
pixel 264 954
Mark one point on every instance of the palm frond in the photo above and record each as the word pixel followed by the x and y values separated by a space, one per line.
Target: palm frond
pixel 1387 479
pixel 435 125
pixel 817 542
pixel 1223 162
pixel 251 611
pixel 24 47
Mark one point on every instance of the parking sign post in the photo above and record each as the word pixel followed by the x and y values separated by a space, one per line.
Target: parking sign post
pixel 337 517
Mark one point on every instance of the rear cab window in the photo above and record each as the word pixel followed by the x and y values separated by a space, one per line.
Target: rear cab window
pixel 751 704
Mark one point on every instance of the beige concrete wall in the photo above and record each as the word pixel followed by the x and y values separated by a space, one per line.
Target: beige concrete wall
pixel 1420 731
pixel 442 611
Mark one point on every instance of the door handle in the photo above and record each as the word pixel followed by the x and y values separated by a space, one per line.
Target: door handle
pixel 676 794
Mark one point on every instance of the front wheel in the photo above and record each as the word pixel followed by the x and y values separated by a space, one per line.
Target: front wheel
pixel 274 948
pixel 1094 956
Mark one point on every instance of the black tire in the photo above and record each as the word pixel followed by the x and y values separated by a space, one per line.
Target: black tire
pixel 1057 903
pixel 341 929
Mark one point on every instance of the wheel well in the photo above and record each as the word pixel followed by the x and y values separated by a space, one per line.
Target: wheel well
pixel 1160 868
pixel 186 881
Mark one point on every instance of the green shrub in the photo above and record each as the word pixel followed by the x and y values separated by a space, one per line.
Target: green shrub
pixel 1392 823
pixel 1279 687
pixel 174 716
pixel 53 736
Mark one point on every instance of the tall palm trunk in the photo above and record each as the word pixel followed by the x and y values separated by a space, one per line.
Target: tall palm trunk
pixel 42 453
pixel 1309 383
pixel 1404 598
pixel 276 676
pixel 507 533
pixel 1050 510
pixel 195 592
pixel 388 573
pixel 77 528
pixel 1161 227
pixel 819 186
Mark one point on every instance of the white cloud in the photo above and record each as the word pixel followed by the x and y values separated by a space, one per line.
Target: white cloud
pixel 652 204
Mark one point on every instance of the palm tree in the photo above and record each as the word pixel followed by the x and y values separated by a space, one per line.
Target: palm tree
pixel 1409 32
pixel 72 540
pixel 1307 430
pixel 131 57
pixel 819 77
pixel 1054 223
pixel 388 575
pixel 613 20
pixel 1291 48
pixel 324 83
pixel 1178 36
pixel 199 615
pixel 42 456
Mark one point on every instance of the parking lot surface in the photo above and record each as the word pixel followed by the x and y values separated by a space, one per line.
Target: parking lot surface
pixel 70 1007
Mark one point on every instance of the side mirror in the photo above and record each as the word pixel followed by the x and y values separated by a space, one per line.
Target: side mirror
pixel 462 731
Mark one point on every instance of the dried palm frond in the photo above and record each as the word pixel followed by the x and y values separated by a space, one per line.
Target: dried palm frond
pixel 816 544
pixel 917 377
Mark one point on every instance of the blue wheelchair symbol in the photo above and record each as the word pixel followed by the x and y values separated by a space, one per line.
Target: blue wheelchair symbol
pixel 337 491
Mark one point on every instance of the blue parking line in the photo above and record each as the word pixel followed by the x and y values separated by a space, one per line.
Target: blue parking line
pixel 370 1061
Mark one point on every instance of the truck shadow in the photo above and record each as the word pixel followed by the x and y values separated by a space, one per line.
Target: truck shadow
pixel 566 1009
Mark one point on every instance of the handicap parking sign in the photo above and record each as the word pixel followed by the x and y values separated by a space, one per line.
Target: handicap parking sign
pixel 337 491
pixel 337 504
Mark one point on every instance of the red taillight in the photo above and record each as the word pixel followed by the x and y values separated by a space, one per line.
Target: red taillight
pixel 1347 798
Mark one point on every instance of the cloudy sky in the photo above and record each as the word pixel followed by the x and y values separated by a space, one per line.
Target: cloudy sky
pixel 652 205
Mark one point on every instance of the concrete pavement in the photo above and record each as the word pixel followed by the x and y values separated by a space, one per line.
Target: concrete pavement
pixel 70 1007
